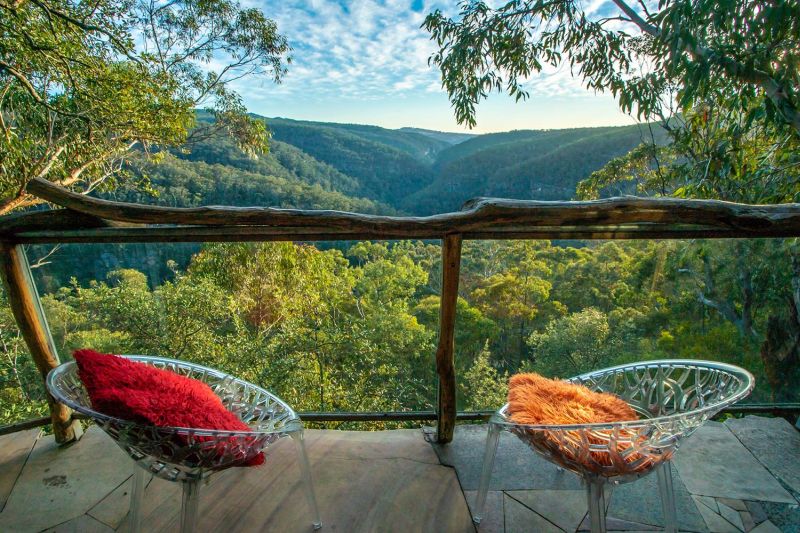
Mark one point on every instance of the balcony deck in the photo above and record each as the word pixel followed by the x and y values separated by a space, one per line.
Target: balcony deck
pixel 743 475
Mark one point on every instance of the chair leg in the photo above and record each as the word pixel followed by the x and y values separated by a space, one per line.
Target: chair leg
pixel 486 473
pixel 189 505
pixel 597 504
pixel 305 471
pixel 664 472
pixel 137 495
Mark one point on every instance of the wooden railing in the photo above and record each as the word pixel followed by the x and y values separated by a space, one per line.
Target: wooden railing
pixel 90 220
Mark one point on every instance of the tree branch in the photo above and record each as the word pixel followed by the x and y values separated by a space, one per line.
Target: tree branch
pixel 733 68
pixel 636 19
pixel 122 47
pixel 34 94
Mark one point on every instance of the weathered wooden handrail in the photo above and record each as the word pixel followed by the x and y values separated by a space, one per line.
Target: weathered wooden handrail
pixel 87 219
pixel 477 216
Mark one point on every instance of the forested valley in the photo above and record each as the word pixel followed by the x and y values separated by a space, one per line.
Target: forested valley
pixel 352 326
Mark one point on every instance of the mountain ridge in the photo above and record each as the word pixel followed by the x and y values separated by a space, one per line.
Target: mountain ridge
pixel 399 171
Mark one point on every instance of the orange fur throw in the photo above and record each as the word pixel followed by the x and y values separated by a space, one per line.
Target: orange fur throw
pixel 533 399
pixel 536 400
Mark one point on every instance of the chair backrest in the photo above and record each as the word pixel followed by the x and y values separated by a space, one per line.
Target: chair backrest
pixel 672 387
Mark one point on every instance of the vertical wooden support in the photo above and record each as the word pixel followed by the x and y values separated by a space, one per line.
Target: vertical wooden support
pixel 445 359
pixel 27 309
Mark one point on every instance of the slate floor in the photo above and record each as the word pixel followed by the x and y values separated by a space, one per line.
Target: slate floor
pixel 743 475
pixel 365 481
pixel 739 476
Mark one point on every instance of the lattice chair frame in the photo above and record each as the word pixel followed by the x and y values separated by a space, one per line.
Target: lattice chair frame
pixel 673 399
pixel 189 455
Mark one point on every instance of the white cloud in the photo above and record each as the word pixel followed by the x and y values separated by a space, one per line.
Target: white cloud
pixel 372 49
pixel 350 52
pixel 351 49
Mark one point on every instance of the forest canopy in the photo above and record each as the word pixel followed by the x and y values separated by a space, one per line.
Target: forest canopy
pixel 84 83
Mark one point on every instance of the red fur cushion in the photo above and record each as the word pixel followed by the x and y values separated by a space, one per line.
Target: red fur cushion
pixel 143 394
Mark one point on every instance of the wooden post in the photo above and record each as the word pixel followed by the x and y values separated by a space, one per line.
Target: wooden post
pixel 445 360
pixel 27 309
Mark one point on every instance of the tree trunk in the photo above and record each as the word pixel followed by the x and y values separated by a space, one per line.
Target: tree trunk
pixel 746 282
pixel 726 307
pixel 30 318
pixel 780 352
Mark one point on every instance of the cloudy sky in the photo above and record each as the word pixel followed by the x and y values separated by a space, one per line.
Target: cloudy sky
pixel 366 61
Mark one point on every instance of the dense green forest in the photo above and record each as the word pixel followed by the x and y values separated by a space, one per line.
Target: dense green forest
pixel 355 330
pixel 352 326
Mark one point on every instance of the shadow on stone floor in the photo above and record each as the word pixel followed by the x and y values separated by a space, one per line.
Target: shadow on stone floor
pixel 740 476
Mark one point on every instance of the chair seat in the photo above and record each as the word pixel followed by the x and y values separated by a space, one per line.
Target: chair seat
pixel 178 453
pixel 673 398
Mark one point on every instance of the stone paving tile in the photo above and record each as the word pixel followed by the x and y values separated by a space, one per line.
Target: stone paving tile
pixel 715 522
pixel 708 501
pixel 767 527
pixel 112 509
pixel 733 504
pixel 731 515
pixel 785 517
pixel 81 524
pixel 520 519
pixel 14 450
pixel 775 443
pixel 64 482
pixel 493 517
pixel 516 466
pixel 713 462
pixel 747 520
pixel 640 501
pixel 564 508
pixel 756 511
pixel 615 524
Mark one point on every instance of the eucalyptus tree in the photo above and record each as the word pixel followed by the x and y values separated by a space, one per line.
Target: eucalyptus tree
pixel 640 52
pixel 83 85
pixel 720 76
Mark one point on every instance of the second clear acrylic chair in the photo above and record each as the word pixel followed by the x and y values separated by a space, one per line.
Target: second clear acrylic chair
pixel 672 397
pixel 188 455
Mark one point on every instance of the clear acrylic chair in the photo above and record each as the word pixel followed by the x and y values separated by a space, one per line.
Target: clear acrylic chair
pixel 188 455
pixel 673 399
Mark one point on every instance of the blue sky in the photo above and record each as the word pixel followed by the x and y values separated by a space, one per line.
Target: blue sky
pixel 366 61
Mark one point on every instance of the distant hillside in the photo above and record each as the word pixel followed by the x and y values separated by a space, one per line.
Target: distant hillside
pixel 482 142
pixel 368 169
pixel 188 183
pixel 416 143
pixel 534 165
pixel 283 160
pixel 409 170
pixel 388 165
